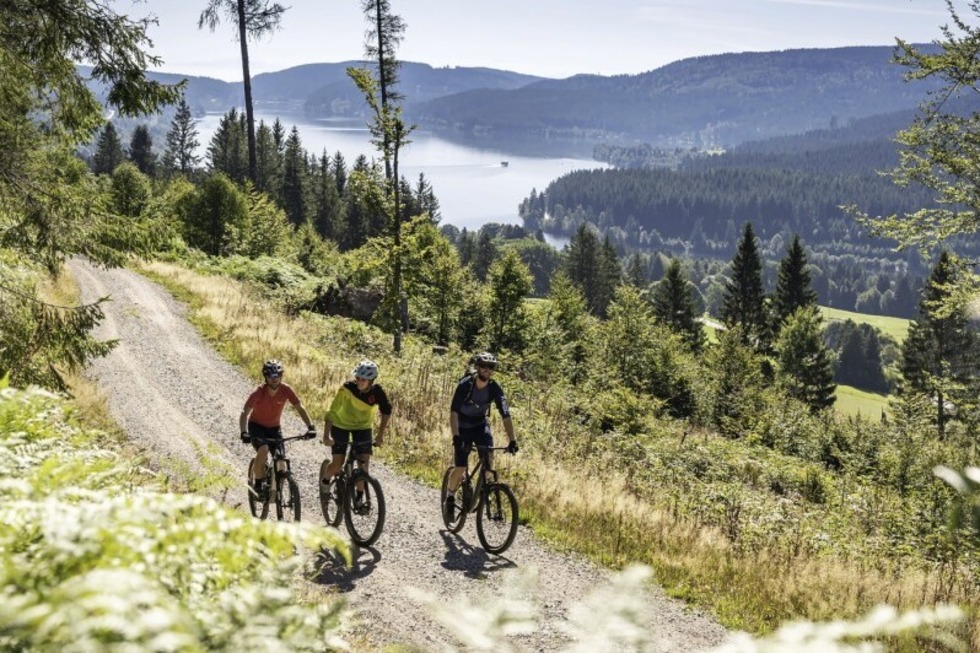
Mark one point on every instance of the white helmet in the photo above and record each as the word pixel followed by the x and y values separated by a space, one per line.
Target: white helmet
pixel 366 369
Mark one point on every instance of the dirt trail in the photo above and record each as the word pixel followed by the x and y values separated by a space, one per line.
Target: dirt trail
pixel 172 393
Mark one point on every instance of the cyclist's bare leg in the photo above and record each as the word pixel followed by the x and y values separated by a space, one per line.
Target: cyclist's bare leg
pixel 364 462
pixel 258 466
pixel 329 468
pixel 455 478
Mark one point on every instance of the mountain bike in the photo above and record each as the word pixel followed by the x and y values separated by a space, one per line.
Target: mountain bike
pixel 482 492
pixel 355 497
pixel 281 488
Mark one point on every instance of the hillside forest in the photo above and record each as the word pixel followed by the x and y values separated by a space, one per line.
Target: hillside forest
pixel 729 434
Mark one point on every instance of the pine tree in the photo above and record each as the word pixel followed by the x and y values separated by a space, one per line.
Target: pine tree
pixel 610 277
pixel 227 151
pixel 180 154
pixel 255 19
pixel 268 162
pixel 510 282
pixel 582 265
pixel 674 306
pixel 636 273
pixel 108 151
pixel 295 179
pixel 743 303
pixel 938 355
pixel 141 150
pixel 793 290
pixel 805 364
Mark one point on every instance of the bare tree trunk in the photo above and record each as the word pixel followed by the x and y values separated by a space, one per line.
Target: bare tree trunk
pixel 249 113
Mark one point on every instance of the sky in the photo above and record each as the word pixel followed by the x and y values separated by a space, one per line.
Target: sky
pixel 549 38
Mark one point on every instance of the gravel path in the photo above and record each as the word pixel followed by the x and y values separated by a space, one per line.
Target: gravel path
pixel 171 393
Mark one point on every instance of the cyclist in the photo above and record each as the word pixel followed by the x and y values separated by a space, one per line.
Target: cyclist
pixel 469 421
pixel 261 417
pixel 350 420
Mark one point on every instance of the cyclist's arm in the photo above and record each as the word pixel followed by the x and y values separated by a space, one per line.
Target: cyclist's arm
pixel 454 422
pixel 382 427
pixel 509 428
pixel 243 418
pixel 301 409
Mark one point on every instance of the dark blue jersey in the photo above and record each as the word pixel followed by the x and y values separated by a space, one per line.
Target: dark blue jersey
pixel 473 404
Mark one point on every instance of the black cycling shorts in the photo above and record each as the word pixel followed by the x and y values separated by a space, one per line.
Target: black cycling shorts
pixel 342 437
pixel 263 435
pixel 480 436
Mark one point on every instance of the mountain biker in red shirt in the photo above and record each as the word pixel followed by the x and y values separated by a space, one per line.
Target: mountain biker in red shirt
pixel 261 415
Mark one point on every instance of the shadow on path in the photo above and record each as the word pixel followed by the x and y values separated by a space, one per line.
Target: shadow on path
pixel 472 561
pixel 332 569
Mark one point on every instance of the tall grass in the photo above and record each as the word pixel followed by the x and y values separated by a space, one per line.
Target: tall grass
pixel 755 559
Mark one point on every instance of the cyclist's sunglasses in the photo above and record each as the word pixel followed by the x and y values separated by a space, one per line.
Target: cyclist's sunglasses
pixel 273 376
pixel 490 366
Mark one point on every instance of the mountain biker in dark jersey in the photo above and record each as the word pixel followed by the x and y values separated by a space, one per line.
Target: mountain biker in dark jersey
pixel 351 419
pixel 262 413
pixel 469 415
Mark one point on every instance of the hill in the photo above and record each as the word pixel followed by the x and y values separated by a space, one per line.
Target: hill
pixel 701 102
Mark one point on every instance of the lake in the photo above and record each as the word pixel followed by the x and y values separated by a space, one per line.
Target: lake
pixel 473 183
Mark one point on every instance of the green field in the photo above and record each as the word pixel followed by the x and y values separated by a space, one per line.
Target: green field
pixel 851 401
pixel 896 327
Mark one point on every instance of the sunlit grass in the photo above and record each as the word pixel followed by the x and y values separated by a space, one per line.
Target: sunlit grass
pixel 752 587
pixel 896 327
pixel 854 401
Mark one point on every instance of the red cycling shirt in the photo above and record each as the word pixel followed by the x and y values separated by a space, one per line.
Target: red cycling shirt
pixel 267 407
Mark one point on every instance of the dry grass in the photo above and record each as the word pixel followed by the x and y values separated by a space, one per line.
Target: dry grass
pixel 563 503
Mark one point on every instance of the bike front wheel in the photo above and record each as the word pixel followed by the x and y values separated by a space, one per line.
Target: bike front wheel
pixel 287 498
pixel 258 507
pixel 454 522
pixel 364 509
pixel 332 501
pixel 496 520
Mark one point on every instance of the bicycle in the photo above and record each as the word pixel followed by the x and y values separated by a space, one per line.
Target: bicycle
pixel 355 497
pixel 494 503
pixel 281 487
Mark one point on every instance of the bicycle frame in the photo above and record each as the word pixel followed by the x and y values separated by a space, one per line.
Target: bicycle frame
pixel 480 471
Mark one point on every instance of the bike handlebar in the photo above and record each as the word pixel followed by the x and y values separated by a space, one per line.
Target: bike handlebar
pixel 303 436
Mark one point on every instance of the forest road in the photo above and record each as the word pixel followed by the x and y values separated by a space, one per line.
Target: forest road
pixel 174 396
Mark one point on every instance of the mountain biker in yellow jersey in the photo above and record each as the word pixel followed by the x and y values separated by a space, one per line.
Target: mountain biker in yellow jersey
pixel 261 415
pixel 469 415
pixel 351 419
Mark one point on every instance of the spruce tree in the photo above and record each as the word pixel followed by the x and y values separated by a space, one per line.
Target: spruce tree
pixel 610 277
pixel 938 355
pixel 141 151
pixel 295 182
pixel 227 152
pixel 743 304
pixel 793 290
pixel 180 154
pixel 108 151
pixel 582 265
pixel 805 364
pixel 510 282
pixel 674 306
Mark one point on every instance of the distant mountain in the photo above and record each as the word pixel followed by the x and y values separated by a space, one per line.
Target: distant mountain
pixel 719 100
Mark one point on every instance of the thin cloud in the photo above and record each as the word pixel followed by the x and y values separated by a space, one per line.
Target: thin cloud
pixel 891 8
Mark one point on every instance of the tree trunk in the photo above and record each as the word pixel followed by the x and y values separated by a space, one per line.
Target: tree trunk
pixel 249 113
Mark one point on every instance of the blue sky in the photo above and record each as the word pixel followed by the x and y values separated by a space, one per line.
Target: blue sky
pixel 551 38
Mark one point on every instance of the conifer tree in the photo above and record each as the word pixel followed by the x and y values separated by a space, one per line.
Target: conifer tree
pixel 610 277
pixel 938 355
pixel 252 18
pixel 227 151
pixel 510 282
pixel 295 179
pixel 805 364
pixel 268 162
pixel 743 304
pixel 180 154
pixel 674 306
pixel 141 151
pixel 636 273
pixel 582 265
pixel 108 151
pixel 793 290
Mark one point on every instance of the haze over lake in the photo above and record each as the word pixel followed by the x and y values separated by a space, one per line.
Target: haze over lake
pixel 471 182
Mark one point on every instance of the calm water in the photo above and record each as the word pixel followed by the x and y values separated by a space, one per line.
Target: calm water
pixel 471 182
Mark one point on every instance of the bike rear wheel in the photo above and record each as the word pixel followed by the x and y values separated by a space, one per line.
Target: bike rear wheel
pixel 496 520
pixel 332 501
pixel 455 524
pixel 365 518
pixel 287 498
pixel 258 507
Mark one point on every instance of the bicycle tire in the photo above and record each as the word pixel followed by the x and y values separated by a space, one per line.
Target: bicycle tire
pixel 496 521
pixel 258 508
pixel 332 501
pixel 287 498
pixel 454 525
pixel 364 526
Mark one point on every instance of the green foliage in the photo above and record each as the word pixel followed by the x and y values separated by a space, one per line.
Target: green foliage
pixel 805 365
pixel 141 150
pixel 793 289
pixel 510 282
pixel 108 151
pixel 89 564
pixel 217 216
pixel 743 303
pixel 674 306
pixel 736 383
pixel 180 153
pixel 130 190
